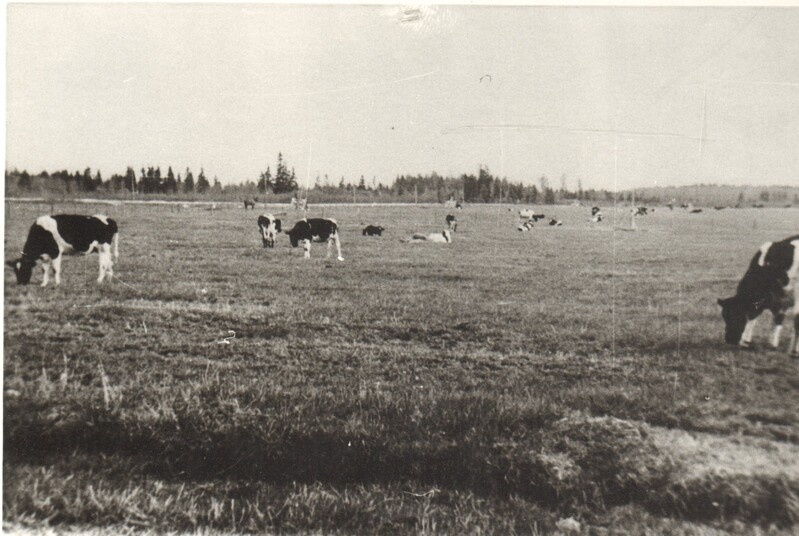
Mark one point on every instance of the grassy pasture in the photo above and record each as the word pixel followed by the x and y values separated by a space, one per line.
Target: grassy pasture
pixel 500 384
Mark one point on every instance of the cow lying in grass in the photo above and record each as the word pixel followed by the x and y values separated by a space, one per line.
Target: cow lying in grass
pixel 315 230
pixel 444 237
pixel 52 237
pixel 770 283
pixel 373 230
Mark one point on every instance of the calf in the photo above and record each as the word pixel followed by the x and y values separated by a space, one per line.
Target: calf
pixel 373 230
pixel 315 230
pixel 52 237
pixel 444 237
pixel 452 222
pixel 269 227
pixel 770 283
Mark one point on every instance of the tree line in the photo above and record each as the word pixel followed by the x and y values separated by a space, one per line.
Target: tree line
pixel 484 187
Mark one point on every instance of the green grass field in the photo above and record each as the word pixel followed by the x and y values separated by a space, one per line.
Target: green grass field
pixel 501 384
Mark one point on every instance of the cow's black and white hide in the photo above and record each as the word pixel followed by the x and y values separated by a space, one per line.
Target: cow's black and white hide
pixel 315 230
pixel 526 226
pixel 269 227
pixel 444 237
pixel 596 215
pixel 52 237
pixel 452 222
pixel 373 230
pixel 459 205
pixel 770 283
pixel 555 222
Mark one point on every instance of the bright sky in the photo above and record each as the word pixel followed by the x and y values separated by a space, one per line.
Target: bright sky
pixel 381 90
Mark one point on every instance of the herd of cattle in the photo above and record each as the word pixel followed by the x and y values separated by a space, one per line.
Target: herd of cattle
pixel 770 282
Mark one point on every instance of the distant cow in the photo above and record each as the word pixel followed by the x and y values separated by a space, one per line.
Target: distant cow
pixel 459 205
pixel 530 214
pixel 640 211
pixel 596 214
pixel 52 237
pixel 373 230
pixel 315 230
pixel 770 283
pixel 695 210
pixel 526 226
pixel 250 203
pixel 555 222
pixel 452 222
pixel 444 237
pixel 269 227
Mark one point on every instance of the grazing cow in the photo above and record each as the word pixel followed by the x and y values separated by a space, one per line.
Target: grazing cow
pixel 373 230
pixel 269 227
pixel 640 211
pixel 459 205
pixel 444 237
pixel 526 226
pixel 596 214
pixel 250 203
pixel 315 230
pixel 452 222
pixel 695 210
pixel 555 222
pixel 770 283
pixel 52 237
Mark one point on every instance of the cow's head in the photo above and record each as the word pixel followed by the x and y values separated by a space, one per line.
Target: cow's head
pixel 23 269
pixel 734 314
pixel 294 237
pixel 447 236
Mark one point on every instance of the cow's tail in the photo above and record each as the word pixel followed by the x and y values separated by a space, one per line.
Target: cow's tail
pixel 116 246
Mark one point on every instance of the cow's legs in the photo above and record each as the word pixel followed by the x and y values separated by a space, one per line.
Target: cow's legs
pixel 46 268
pixel 794 347
pixel 779 317
pixel 106 264
pixel 57 269
pixel 749 329
pixel 338 245
pixel 306 245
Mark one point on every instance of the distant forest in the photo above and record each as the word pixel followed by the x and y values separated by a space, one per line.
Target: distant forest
pixel 282 185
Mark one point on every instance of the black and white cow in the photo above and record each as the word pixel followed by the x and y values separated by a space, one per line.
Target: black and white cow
pixel 373 230
pixel 269 227
pixel 444 237
pixel 452 222
pixel 527 225
pixel 770 283
pixel 530 214
pixel 315 230
pixel 52 237
pixel 640 211
pixel 555 222
pixel 596 214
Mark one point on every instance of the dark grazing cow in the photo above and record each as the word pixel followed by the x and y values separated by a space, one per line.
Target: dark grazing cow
pixel 373 230
pixel 250 203
pixel 452 222
pixel 770 283
pixel 52 237
pixel 315 230
pixel 269 227
pixel 640 211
